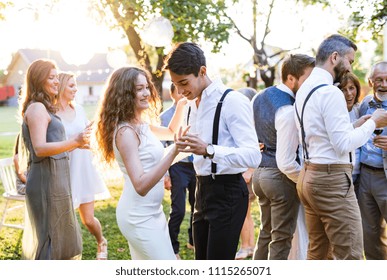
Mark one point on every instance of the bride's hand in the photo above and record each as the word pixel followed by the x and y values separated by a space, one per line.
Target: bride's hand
pixel 182 102
pixel 177 138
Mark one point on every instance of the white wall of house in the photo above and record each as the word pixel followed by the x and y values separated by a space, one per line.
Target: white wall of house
pixel 16 79
pixel 90 88
pixel 83 95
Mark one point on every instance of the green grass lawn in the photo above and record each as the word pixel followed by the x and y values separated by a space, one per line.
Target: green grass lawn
pixel 8 130
pixel 10 239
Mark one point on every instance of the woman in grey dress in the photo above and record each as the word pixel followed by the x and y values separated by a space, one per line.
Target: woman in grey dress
pixel 52 231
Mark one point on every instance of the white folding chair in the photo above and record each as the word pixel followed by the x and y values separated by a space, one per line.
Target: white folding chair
pixel 8 178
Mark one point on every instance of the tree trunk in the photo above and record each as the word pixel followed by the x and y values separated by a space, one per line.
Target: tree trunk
pixel 138 48
pixel 143 59
pixel 158 75
pixel 266 71
pixel 268 76
pixel 253 81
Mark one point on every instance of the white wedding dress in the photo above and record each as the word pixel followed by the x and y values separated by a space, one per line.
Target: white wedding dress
pixel 141 218
pixel 300 239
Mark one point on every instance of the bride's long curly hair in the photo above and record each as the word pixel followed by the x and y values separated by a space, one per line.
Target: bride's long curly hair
pixel 118 105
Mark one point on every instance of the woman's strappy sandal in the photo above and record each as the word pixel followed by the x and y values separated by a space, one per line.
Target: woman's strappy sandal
pixel 103 250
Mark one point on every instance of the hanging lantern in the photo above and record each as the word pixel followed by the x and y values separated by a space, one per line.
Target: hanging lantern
pixel 76 56
pixel 116 58
pixel 158 32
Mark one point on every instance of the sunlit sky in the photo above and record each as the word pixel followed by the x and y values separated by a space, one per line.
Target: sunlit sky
pixel 69 29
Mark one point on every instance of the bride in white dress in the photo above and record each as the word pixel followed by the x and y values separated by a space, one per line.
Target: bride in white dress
pixel 123 135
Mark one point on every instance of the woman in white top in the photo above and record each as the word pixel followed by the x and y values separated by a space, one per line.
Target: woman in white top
pixel 124 135
pixel 86 182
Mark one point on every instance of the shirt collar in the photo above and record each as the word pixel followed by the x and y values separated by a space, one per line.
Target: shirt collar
pixel 376 104
pixel 217 83
pixel 285 88
pixel 324 75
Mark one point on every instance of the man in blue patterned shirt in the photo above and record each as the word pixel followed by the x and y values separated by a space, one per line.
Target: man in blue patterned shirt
pixel 373 172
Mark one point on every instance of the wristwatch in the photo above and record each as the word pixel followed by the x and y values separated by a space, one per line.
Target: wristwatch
pixel 210 151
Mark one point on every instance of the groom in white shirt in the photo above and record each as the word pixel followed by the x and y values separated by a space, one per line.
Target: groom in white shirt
pixel 221 193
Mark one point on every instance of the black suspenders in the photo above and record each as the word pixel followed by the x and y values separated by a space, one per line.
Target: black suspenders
pixel 215 128
pixel 188 114
pixel 301 120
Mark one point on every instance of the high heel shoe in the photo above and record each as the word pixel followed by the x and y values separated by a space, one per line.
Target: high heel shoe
pixel 103 250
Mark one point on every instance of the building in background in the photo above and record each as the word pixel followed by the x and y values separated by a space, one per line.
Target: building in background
pixel 91 76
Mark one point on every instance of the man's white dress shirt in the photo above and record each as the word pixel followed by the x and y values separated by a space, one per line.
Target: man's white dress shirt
pixel 287 139
pixel 237 147
pixel 330 136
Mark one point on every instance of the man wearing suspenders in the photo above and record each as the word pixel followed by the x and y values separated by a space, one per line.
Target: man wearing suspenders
pixel 224 146
pixel 325 183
